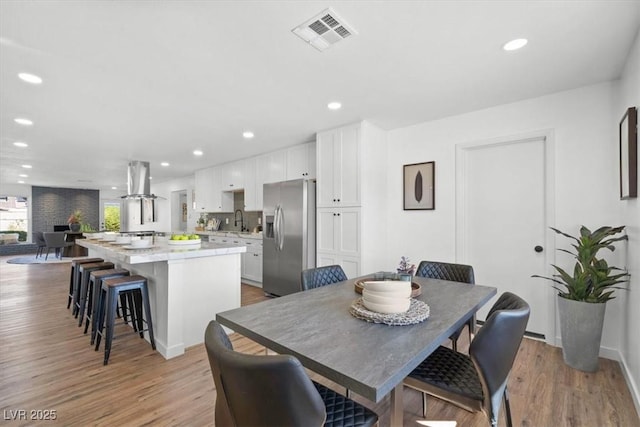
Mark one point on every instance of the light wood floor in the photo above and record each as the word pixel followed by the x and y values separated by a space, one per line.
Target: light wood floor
pixel 47 364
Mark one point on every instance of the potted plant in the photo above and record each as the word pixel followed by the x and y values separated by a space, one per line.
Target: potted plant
pixel 405 266
pixel 75 221
pixel 582 295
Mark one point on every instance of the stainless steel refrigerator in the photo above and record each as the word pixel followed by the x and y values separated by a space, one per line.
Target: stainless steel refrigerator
pixel 289 234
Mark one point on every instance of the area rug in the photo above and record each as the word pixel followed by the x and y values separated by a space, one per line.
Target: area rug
pixel 31 259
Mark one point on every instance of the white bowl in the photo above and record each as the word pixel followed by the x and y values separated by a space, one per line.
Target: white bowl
pixel 383 297
pixel 399 307
pixel 140 243
pixel 394 286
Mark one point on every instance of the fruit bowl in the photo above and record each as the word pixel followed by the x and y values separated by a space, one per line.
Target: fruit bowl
pixel 184 242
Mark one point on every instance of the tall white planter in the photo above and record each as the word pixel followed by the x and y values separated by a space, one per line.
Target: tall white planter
pixel 581 329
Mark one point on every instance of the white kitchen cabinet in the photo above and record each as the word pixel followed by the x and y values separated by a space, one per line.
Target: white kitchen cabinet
pixel 274 167
pixel 252 261
pixel 205 190
pixel 351 173
pixel 251 185
pixel 233 176
pixel 301 161
pixel 338 165
pixel 223 200
pixel 338 237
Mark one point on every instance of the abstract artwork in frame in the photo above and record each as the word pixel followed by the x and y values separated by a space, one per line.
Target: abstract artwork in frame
pixel 629 154
pixel 419 186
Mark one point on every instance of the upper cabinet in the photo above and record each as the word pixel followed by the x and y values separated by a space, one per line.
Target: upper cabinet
pixel 223 199
pixel 205 199
pixel 301 161
pixel 338 167
pixel 275 167
pixel 233 176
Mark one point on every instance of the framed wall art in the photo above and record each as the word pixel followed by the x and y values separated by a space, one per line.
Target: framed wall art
pixel 419 186
pixel 629 154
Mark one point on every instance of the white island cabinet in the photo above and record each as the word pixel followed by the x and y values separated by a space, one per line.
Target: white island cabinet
pixel 188 286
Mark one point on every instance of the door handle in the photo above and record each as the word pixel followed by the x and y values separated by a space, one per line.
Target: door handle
pixel 538 248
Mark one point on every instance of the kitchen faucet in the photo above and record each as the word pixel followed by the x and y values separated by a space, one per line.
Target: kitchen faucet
pixel 235 217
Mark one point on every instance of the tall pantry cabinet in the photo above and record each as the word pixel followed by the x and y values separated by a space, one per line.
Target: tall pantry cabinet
pixel 350 191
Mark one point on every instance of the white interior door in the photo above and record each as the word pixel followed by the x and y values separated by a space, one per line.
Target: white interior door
pixel 503 221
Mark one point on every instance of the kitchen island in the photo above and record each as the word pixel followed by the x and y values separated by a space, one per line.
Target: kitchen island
pixel 188 285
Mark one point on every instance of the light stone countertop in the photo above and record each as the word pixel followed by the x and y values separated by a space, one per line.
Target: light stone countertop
pixel 161 251
pixel 241 235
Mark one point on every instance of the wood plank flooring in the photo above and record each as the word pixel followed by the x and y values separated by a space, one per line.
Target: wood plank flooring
pixel 47 364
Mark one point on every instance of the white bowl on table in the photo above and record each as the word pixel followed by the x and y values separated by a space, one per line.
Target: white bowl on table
pixel 399 306
pixel 393 288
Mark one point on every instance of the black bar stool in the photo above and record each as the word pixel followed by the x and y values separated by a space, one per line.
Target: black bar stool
pixel 74 279
pixel 84 271
pixel 111 289
pixel 93 292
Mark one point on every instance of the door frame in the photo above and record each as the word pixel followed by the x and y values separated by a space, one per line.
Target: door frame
pixel 548 138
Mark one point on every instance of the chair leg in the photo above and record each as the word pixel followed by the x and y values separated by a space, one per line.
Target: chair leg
pixel 454 345
pixel 424 405
pixel 507 408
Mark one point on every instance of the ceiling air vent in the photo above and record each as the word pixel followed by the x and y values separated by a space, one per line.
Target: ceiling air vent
pixel 324 30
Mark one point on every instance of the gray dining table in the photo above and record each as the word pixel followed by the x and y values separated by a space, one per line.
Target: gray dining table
pixel 370 359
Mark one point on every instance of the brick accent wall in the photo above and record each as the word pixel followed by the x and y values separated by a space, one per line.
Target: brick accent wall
pixel 52 206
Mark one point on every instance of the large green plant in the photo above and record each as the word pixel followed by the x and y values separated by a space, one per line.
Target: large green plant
pixel 593 280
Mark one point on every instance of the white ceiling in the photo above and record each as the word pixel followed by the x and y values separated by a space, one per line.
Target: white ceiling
pixel 154 80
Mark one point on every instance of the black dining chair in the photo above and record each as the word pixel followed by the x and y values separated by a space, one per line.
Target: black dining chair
pixel 38 239
pixel 273 390
pixel 453 273
pixel 477 382
pixel 321 276
pixel 56 240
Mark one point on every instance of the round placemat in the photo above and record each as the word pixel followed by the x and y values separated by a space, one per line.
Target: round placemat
pixel 418 312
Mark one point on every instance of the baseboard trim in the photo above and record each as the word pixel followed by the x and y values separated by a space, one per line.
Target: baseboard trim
pixel 631 383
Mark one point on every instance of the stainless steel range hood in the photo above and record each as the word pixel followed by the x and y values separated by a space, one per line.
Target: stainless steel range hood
pixel 139 189
pixel 138 181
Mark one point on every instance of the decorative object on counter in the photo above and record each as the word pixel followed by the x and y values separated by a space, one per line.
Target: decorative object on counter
pixel 418 312
pixel 583 295
pixel 405 266
pixel 75 220
pixel 419 186
pixel 201 223
pixel 184 239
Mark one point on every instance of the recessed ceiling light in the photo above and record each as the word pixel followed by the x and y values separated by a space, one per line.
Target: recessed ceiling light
pixel 23 121
pixel 515 44
pixel 30 78
pixel 27 166
pixel 248 134
pixel 334 105
pixel 23 175
pixel 164 164
pixel 114 188
pixel 20 144
pixel 197 152
pixel 20 182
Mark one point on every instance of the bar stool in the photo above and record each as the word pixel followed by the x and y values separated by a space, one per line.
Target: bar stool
pixel 93 291
pixel 84 271
pixel 111 289
pixel 74 280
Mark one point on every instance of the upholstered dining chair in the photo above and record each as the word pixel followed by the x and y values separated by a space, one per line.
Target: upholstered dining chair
pixel 321 276
pixel 454 273
pixel 273 390
pixel 477 382
pixel 55 240
pixel 38 239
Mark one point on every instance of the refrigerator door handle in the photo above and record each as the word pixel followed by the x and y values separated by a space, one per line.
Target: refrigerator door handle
pixel 276 227
pixel 280 229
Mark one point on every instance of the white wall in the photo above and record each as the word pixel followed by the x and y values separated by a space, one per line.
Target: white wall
pixel 164 192
pixel 628 95
pixel 586 173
